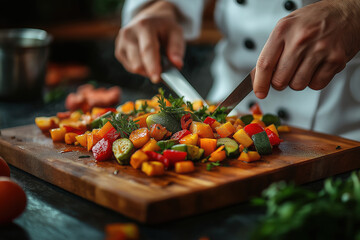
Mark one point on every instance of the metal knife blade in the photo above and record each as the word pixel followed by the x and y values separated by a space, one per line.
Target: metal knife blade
pixel 177 82
pixel 239 93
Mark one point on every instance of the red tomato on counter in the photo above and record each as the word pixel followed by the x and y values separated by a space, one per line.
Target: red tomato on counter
pixel 4 168
pixel 12 200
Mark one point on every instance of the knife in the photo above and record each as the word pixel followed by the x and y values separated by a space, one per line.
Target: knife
pixel 177 82
pixel 238 94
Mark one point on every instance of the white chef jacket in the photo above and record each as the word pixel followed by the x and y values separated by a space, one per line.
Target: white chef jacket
pixel 246 25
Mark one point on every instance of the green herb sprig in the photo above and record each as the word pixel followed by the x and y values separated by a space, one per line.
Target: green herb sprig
pixel 211 165
pixel 123 124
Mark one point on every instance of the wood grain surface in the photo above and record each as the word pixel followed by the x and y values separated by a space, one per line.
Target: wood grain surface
pixel 303 157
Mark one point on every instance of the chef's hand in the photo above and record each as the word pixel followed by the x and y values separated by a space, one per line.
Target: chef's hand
pixel 137 45
pixel 309 46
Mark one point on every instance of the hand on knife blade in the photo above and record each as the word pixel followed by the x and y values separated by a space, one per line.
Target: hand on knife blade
pixel 177 82
pixel 239 93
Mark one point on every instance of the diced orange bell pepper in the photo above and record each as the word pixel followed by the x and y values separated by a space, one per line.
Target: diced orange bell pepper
pixel 122 231
pixel 238 122
pixel 47 123
pixel 231 119
pixel 184 167
pixel 82 139
pixel 241 147
pixel 283 128
pixel 212 108
pixel 191 139
pixel 249 156
pixel 218 155
pixel 137 158
pixel 225 130
pixel 139 137
pixel 70 138
pixel 151 145
pixel 215 125
pixel 127 107
pixel 272 127
pixel 58 134
pixel 92 138
pixel 208 144
pixel 197 104
pixel 202 129
pixel 141 120
pixel 242 138
pixel 105 129
pixel 153 168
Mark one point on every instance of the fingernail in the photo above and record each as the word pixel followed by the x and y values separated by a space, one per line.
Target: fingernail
pixel 155 78
pixel 177 60
pixel 260 95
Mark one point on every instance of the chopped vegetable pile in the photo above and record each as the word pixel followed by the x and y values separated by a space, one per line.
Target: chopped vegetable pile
pixel 161 134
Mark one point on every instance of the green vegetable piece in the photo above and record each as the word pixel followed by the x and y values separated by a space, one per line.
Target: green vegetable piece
pixel 247 119
pixel 122 149
pixel 99 121
pixel 166 144
pixel 194 152
pixel 166 120
pixel 269 119
pixel 231 146
pixel 262 143
pixel 180 147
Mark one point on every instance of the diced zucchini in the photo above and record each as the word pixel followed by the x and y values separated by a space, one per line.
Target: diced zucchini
pixel 180 147
pixel 99 121
pixel 247 119
pixel 269 119
pixel 122 149
pixel 262 143
pixel 167 144
pixel 194 152
pixel 231 146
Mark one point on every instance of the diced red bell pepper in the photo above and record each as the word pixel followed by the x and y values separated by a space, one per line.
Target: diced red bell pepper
pixel 255 109
pixel 274 139
pixel 111 135
pixel 209 120
pixel 186 121
pixel 154 156
pixel 102 150
pixel 174 156
pixel 253 128
pixel 73 130
pixel 180 134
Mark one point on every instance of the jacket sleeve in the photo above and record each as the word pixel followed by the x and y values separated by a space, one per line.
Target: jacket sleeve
pixel 190 9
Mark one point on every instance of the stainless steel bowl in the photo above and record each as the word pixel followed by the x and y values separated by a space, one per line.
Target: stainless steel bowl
pixel 23 57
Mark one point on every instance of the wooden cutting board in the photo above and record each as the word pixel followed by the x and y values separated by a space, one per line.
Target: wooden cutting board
pixel 304 156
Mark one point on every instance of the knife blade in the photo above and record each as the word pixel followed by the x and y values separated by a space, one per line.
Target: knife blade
pixel 239 93
pixel 177 82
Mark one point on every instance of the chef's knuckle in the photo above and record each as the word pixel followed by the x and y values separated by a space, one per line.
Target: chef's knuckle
pixel 277 82
pixel 298 85
pixel 144 23
pixel 264 64
pixel 282 27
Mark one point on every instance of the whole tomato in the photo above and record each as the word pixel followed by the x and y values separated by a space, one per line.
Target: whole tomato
pixel 4 168
pixel 12 200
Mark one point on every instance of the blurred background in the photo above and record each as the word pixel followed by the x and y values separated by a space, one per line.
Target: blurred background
pixel 83 43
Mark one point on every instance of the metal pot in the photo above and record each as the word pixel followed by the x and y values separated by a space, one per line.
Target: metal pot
pixel 23 57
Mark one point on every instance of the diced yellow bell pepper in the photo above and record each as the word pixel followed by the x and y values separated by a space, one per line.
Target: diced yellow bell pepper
pixel 242 138
pixel 58 134
pixel 225 130
pixel 82 139
pixel 191 139
pixel 197 104
pixel 151 145
pixel 202 129
pixel 283 128
pixel 153 168
pixel 249 156
pixel 257 116
pixel 70 138
pixel 137 158
pixel 184 167
pixel 47 123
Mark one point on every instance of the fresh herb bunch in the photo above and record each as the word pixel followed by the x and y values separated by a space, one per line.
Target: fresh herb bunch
pixel 123 124
pixel 176 110
pixel 297 213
